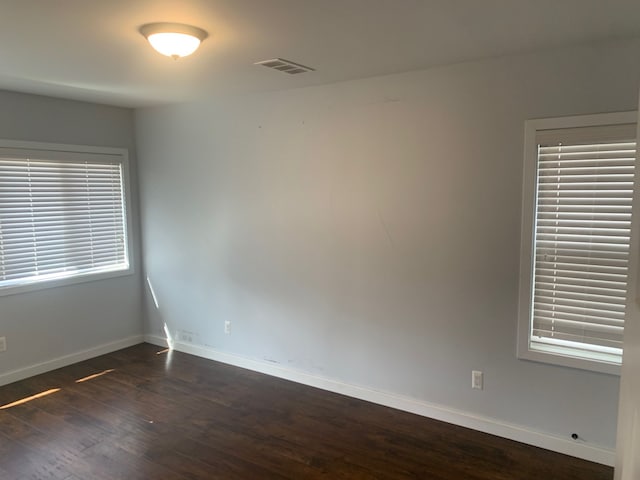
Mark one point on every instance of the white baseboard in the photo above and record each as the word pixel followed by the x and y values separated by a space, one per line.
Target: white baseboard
pixel 439 412
pixel 38 368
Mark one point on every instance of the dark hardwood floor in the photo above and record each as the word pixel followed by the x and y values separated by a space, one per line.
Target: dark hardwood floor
pixel 145 414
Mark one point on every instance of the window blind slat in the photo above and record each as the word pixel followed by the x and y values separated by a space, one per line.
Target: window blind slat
pixel 86 261
pixel 587 289
pixel 596 331
pixel 585 297
pixel 550 254
pixel 580 260
pixel 68 244
pixel 72 249
pixel 90 258
pixel 589 234
pixel 584 220
pixel 565 268
pixel 582 342
pixel 87 221
pixel 584 314
pixel 601 248
pixel 47 222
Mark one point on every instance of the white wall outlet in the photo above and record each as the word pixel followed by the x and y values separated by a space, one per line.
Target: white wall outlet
pixel 3 344
pixel 227 327
pixel 476 380
pixel 185 336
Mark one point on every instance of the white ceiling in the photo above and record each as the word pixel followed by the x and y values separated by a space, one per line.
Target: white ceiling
pixel 91 49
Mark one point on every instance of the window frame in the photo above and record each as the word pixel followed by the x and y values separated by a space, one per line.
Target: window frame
pixel 530 171
pixel 56 149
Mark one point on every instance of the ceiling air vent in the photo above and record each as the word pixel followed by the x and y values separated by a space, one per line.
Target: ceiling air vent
pixel 285 66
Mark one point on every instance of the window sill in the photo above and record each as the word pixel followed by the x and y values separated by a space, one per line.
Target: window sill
pixel 552 356
pixel 61 282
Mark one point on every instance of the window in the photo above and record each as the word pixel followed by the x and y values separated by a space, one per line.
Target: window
pixel 63 215
pixel 579 177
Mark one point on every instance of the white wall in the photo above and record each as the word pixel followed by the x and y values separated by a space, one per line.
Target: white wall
pixel 628 444
pixel 45 325
pixel 368 231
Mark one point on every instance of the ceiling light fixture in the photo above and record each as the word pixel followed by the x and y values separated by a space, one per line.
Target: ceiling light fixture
pixel 173 39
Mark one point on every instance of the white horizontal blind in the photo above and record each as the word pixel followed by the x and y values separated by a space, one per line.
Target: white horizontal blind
pixel 62 214
pixel 582 234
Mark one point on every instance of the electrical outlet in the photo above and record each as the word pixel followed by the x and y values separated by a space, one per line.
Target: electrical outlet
pixel 476 380
pixel 227 327
pixel 3 344
pixel 186 336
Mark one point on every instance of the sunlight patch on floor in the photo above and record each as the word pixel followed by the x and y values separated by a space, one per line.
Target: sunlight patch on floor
pixel 28 399
pixel 95 375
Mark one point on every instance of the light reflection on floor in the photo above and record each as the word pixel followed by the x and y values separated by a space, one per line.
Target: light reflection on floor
pixel 53 390
pixel 28 399
pixel 95 375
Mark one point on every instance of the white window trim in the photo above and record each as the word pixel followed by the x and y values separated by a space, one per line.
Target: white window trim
pixel 89 277
pixel 553 356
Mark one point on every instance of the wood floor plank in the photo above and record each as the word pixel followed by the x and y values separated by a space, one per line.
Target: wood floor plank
pixel 144 413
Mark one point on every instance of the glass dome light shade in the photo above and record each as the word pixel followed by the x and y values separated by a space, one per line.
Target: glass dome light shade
pixel 173 39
